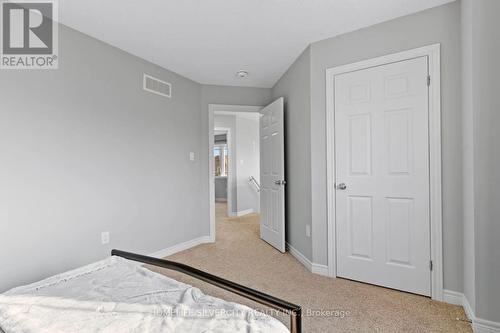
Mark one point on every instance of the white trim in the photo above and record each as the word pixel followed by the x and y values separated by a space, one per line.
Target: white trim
pixel 311 267
pixel 181 247
pixel 433 54
pixel 241 212
pixel 478 325
pixel 300 257
pixel 211 177
pixel 468 309
pixel 320 269
pixel 485 326
pixel 453 297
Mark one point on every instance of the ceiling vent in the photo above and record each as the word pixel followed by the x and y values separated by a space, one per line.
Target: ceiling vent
pixel 157 86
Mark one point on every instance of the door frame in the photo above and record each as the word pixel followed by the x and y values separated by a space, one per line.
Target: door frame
pixel 212 108
pixel 436 238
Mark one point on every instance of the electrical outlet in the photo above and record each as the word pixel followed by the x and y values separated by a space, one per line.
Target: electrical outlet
pixel 308 230
pixel 105 237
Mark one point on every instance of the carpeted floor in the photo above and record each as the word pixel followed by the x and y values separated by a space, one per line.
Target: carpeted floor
pixel 239 255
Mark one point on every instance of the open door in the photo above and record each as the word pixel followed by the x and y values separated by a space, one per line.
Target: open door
pixel 272 175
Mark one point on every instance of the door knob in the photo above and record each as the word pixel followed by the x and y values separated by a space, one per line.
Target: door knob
pixel 341 186
pixel 280 182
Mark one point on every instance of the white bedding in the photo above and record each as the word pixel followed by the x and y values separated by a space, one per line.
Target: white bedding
pixel 117 295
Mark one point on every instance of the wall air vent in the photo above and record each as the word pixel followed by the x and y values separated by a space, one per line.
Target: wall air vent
pixel 157 86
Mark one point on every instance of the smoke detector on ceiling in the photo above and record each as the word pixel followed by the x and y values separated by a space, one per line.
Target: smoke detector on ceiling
pixel 242 74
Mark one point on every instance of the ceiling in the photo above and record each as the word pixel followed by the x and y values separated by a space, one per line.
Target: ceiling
pixel 208 41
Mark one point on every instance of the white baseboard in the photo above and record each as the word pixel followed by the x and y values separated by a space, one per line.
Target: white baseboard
pixel 300 257
pixel 478 325
pixel 241 213
pixel 453 297
pixel 312 267
pixel 468 311
pixel 320 269
pixel 485 326
pixel 181 247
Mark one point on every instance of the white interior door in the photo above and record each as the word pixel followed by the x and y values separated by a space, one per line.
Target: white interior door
pixel 272 175
pixel 382 175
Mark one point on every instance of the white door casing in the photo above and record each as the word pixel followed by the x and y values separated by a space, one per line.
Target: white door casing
pixel 381 146
pixel 272 175
pixel 401 208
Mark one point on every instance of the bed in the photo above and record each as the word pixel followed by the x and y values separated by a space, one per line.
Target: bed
pixel 118 294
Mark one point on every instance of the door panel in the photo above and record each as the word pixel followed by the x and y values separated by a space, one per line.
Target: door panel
pixel 382 155
pixel 361 227
pixel 360 144
pixel 399 127
pixel 399 230
pixel 272 159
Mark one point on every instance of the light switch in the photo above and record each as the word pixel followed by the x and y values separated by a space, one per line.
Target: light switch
pixel 192 156
pixel 105 237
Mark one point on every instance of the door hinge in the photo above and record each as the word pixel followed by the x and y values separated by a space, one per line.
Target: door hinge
pixel 431 265
pixel 428 80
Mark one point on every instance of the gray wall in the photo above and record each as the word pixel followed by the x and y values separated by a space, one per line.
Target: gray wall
pixel 487 162
pixel 295 87
pixel 233 95
pixel 437 25
pixel 482 112
pixel 83 150
pixel 220 188
pixel 247 162
pixel 469 86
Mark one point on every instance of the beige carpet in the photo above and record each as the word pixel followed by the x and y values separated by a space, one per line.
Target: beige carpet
pixel 239 255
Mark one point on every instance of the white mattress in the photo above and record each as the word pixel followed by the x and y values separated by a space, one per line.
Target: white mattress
pixel 117 295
